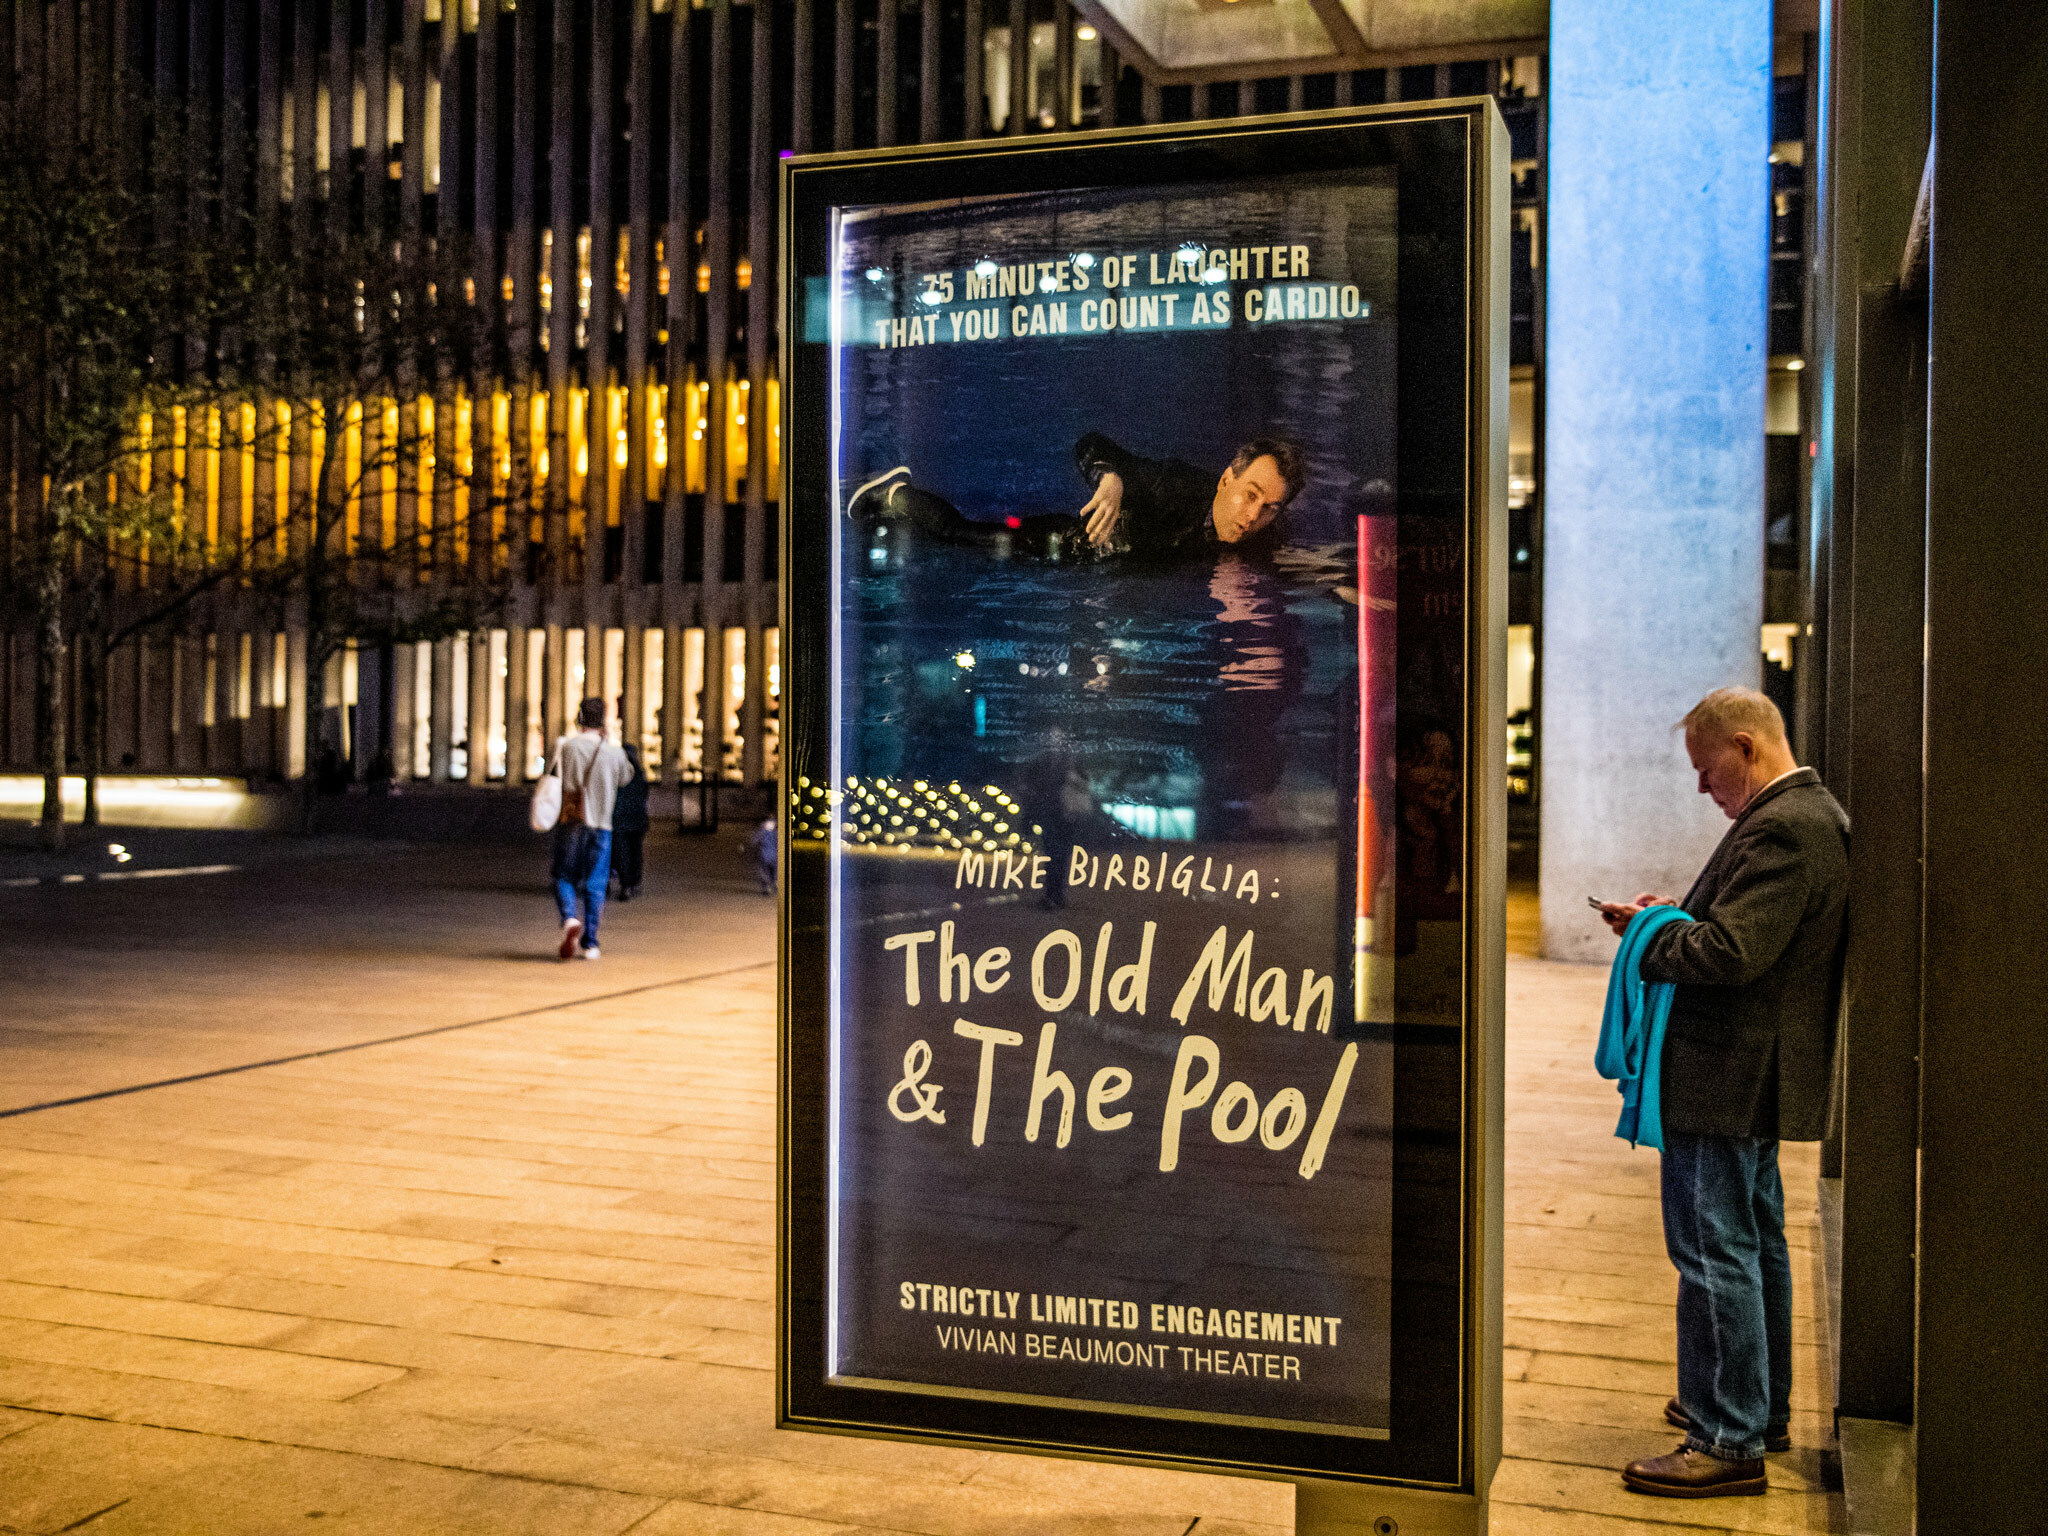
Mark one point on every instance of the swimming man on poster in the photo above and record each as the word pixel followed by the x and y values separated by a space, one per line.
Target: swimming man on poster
pixel 1147 509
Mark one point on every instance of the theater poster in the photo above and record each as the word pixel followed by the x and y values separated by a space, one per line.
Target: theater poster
pixel 1141 490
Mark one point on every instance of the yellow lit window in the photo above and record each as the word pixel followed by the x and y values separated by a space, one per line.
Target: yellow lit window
pixel 735 701
pixel 501 438
pixel 387 476
pixel 352 477
pixel 773 489
pixel 537 437
pixel 246 438
pixel 736 392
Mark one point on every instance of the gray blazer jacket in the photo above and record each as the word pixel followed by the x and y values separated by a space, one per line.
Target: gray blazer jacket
pixel 1750 1046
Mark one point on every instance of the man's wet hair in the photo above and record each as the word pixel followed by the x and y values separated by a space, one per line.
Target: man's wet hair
pixel 1285 456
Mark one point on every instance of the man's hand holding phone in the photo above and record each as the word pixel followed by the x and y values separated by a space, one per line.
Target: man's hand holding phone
pixel 1617 914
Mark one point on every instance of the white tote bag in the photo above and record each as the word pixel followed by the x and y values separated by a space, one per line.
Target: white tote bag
pixel 546 808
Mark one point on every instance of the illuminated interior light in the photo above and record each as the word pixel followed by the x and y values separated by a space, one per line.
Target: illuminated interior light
pixel 1084 33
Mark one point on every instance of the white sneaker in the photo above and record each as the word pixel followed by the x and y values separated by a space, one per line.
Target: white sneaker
pixel 590 953
pixel 572 930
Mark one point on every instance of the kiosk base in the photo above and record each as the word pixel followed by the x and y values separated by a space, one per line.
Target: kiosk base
pixel 1362 1509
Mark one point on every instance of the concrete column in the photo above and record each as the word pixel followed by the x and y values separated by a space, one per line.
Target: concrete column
pixel 754 710
pixel 153 716
pixel 1654 415
pixel 557 707
pixel 481 682
pixel 371 689
pixel 443 708
pixel 404 674
pixel 121 708
pixel 515 697
pixel 593 667
pixel 632 685
pixel 292 753
pixel 671 703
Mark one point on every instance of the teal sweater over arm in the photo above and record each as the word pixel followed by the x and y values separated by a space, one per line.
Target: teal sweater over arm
pixel 1631 1047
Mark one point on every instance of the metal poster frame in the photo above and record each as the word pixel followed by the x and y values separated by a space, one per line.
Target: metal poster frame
pixel 1436 1460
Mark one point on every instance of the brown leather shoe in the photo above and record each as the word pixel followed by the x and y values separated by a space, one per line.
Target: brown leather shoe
pixel 1778 1437
pixel 1689 1474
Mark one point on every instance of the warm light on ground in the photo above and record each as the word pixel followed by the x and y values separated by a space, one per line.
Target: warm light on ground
pixel 139 801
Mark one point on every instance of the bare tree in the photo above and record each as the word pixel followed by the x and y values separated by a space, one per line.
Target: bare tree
pixel 96 293
pixel 367 341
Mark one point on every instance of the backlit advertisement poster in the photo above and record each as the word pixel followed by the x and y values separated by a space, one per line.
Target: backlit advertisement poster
pixel 1137 817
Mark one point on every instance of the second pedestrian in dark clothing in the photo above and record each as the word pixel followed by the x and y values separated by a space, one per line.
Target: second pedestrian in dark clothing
pixel 629 827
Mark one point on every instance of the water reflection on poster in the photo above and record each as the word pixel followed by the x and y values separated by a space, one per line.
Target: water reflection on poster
pixel 1144 807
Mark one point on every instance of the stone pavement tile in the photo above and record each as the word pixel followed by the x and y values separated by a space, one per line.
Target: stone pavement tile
pixel 607 1269
pixel 430 1349
pixel 1657 1314
pixel 1630 1375
pixel 127 1314
pixel 57 1476
pixel 159 1281
pixel 14 1420
pixel 1575 1408
pixel 1133 1490
pixel 936 1509
pixel 682 1517
pixel 1604 1340
pixel 685 1247
pixel 400 1308
pixel 478 1281
pixel 1784 1510
pixel 282 1487
pixel 218 1365
pixel 243 1415
pixel 1533 1439
pixel 1694 1519
pixel 656 1401
pixel 143 1220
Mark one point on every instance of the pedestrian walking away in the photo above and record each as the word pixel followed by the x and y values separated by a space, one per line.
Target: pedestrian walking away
pixel 1754 967
pixel 591 770
pixel 761 850
pixel 629 827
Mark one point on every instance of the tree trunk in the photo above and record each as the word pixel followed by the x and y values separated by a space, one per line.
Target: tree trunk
pixel 50 658
pixel 328 498
pixel 92 698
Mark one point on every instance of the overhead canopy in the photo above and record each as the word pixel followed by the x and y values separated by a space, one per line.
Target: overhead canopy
pixel 1177 42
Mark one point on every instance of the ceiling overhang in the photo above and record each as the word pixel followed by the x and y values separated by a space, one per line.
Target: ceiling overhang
pixel 1193 42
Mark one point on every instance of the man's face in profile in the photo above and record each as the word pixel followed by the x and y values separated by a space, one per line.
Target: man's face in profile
pixel 1247 502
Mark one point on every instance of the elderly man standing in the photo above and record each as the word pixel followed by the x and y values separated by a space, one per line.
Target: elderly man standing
pixel 1748 1059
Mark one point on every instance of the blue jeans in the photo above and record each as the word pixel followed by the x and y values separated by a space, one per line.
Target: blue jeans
pixel 582 867
pixel 1724 1227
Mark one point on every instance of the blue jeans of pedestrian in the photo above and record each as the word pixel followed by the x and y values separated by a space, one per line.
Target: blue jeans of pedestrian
pixel 582 867
pixel 1724 1227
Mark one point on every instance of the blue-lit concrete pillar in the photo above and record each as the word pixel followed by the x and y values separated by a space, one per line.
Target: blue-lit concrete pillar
pixel 1654 450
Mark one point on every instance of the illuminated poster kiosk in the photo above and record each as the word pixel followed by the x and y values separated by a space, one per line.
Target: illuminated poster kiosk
pixel 1144 827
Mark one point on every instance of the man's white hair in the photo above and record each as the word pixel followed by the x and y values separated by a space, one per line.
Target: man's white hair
pixel 1726 711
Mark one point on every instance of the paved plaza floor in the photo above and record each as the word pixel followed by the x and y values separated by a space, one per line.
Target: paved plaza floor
pixel 423 1231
